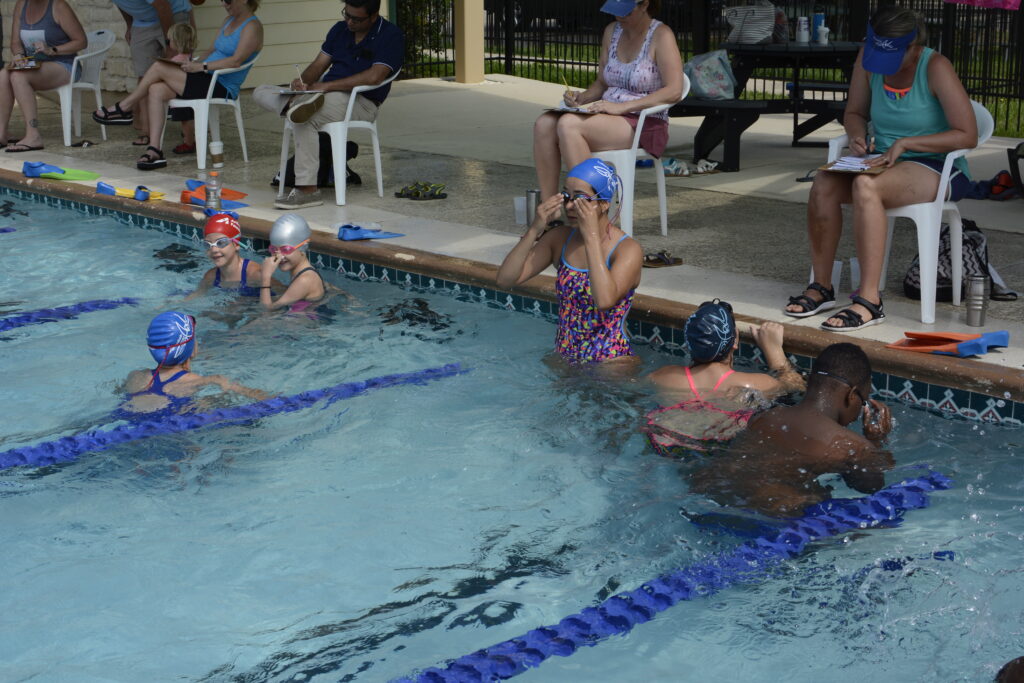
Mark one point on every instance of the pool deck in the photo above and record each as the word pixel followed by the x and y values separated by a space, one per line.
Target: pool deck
pixel 477 139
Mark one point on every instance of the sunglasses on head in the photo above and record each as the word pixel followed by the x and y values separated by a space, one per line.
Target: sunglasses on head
pixel 573 196
pixel 220 243
pixel 285 249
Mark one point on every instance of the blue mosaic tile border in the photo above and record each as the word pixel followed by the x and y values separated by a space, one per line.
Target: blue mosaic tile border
pixel 936 398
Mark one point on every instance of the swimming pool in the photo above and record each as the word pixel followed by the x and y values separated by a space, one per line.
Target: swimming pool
pixel 390 532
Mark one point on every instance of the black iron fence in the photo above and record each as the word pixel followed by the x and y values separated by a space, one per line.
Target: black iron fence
pixel 550 40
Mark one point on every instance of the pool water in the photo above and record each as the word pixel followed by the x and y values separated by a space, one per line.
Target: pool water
pixel 383 534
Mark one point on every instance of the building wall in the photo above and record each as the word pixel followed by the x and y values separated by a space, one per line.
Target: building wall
pixel 293 32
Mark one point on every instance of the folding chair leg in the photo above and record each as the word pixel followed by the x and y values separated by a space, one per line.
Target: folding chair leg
pixel 286 139
pixel 628 175
pixel 928 257
pixel 76 111
pixel 99 103
pixel 376 162
pixel 237 106
pixel 339 145
pixel 956 243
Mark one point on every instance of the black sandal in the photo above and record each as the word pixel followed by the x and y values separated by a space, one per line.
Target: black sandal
pixel 151 159
pixel 808 305
pixel 113 117
pixel 852 321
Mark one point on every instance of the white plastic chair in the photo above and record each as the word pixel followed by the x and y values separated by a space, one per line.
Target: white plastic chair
pixel 338 130
pixel 624 161
pixel 928 218
pixel 89 63
pixel 208 115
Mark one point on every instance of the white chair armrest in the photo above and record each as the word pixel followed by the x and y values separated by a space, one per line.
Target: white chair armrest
pixel 363 88
pixel 216 73
pixel 947 170
pixel 836 146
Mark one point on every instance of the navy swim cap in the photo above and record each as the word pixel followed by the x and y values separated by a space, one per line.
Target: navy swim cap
pixel 599 176
pixel 710 331
pixel 171 337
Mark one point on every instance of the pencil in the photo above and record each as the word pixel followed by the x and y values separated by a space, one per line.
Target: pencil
pixel 565 82
pixel 299 72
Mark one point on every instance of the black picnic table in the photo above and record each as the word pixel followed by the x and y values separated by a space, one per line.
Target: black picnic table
pixel 725 120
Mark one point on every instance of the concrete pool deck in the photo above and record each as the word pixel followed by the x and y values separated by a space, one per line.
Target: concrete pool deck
pixel 741 235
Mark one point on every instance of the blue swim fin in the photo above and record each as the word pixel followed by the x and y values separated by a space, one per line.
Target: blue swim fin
pixel 350 233
pixel 35 169
pixel 979 346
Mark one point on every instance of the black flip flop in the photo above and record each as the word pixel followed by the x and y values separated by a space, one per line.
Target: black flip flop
pixel 152 162
pixel 661 259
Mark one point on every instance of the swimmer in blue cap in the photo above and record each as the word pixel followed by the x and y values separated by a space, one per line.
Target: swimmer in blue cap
pixel 289 240
pixel 598 265
pixel 172 343
pixel 709 402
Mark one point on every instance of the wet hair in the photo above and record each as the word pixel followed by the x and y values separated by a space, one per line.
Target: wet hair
pixel 371 6
pixel 896 22
pixel 846 361
pixel 184 36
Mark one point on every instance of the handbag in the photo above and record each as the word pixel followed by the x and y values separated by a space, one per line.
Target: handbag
pixel 711 76
pixel 976 264
pixel 751 23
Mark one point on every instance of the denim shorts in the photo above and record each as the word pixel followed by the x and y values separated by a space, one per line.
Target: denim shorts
pixel 959 184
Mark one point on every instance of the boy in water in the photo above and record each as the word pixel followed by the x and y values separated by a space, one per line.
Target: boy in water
pixel 774 465
pixel 168 389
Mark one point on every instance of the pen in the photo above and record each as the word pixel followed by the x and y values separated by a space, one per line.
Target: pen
pixel 299 72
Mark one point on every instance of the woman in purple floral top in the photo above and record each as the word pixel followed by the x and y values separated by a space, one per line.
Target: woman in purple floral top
pixel 640 67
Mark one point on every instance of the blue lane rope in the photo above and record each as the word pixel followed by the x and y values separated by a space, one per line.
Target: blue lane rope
pixel 748 562
pixel 49 315
pixel 71 447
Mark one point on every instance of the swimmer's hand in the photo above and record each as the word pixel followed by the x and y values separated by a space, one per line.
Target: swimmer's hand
pixel 588 217
pixel 268 268
pixel 877 420
pixel 767 335
pixel 547 211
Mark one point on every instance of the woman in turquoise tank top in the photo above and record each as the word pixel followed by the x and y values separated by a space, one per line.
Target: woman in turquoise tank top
pixel 920 111
pixel 239 40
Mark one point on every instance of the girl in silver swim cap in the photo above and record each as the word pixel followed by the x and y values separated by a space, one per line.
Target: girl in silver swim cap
pixel 289 240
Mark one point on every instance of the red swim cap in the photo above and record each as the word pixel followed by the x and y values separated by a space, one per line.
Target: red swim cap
pixel 223 224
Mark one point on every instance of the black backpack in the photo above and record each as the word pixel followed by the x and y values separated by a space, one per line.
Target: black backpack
pixel 325 174
pixel 975 258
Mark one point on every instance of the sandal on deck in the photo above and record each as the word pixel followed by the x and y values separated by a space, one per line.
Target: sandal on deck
pixel 434 191
pixel 408 191
pixel 151 159
pixel 810 306
pixel 662 259
pixel 113 117
pixel 852 321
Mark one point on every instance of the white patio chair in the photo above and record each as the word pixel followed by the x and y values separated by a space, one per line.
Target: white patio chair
pixel 928 218
pixel 624 161
pixel 90 62
pixel 208 115
pixel 338 130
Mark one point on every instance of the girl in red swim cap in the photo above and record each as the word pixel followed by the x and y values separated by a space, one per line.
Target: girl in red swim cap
pixel 221 237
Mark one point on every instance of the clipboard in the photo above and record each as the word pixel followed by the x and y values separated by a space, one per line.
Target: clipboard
pixel 168 60
pixel 28 66
pixel 571 110
pixel 874 170
pixel 284 91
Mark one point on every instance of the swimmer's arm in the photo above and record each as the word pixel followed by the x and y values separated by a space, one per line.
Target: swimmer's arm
pixel 865 471
pixel 785 378
pixel 234 387
pixel 204 284
pixel 535 250
pixel 135 381
pixel 296 291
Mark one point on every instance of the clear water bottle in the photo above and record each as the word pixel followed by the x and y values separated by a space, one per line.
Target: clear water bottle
pixel 213 191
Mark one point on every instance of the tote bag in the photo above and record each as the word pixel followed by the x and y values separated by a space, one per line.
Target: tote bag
pixel 751 23
pixel 711 76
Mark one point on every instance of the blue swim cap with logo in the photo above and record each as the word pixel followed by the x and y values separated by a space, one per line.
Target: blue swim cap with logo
pixel 171 337
pixel 599 176
pixel 710 332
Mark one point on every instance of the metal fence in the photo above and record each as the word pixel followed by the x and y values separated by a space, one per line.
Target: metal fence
pixel 550 40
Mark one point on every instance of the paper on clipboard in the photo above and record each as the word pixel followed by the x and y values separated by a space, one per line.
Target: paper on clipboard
pixel 566 109
pixel 296 92
pixel 851 164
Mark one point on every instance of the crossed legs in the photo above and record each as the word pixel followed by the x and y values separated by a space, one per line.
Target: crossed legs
pixel 162 82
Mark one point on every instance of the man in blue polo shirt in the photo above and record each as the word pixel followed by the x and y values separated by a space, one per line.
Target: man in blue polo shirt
pixel 364 49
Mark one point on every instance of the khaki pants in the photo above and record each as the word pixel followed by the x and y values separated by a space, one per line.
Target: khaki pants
pixel 307 147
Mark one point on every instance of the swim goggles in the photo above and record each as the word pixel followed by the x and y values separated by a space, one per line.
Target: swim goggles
pixel 220 242
pixel 285 249
pixel 847 382
pixel 717 302
pixel 567 197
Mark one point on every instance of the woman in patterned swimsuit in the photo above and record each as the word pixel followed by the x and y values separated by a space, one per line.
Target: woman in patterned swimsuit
pixel 598 266
pixel 640 67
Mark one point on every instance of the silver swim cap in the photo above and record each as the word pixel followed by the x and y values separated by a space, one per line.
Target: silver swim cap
pixel 290 229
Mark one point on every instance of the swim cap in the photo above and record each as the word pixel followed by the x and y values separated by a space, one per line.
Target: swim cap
pixel 599 176
pixel 290 229
pixel 710 331
pixel 223 224
pixel 171 337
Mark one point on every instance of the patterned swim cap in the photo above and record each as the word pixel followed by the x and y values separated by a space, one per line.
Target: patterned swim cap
pixel 710 332
pixel 171 337
pixel 599 176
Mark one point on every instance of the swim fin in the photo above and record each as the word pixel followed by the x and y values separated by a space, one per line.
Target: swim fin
pixel 39 169
pixel 350 233
pixel 952 343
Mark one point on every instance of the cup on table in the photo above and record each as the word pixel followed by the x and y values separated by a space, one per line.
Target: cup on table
pixel 823 35
pixel 803 30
